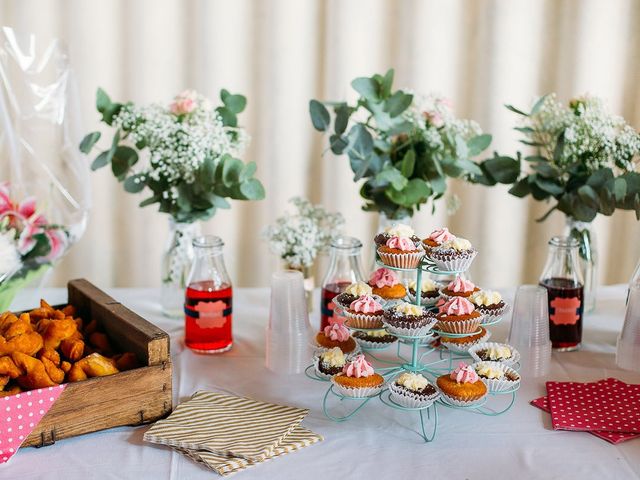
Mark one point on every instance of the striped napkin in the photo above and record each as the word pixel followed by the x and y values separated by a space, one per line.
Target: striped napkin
pixel 228 433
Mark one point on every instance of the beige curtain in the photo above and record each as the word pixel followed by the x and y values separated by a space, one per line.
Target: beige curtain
pixel 281 53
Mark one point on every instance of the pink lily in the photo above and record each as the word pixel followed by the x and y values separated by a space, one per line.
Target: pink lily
pixel 57 241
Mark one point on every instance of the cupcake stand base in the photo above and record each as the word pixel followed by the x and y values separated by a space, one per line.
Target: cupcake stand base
pixel 424 358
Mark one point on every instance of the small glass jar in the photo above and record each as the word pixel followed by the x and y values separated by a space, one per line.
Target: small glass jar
pixel 208 299
pixel 562 277
pixel 344 269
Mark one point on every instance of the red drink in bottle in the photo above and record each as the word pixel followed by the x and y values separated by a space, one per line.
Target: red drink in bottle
pixel 208 317
pixel 326 301
pixel 565 312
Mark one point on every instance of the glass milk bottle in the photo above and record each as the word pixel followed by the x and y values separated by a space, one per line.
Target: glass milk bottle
pixel 208 299
pixel 344 269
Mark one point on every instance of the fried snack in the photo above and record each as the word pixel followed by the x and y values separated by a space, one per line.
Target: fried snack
pixel 91 327
pixel 72 349
pixel 9 368
pixel 65 366
pixel 11 391
pixel 55 331
pixel 94 365
pixel 126 361
pixel 55 374
pixel 4 379
pixel 27 343
pixel 70 311
pixel 34 372
pixel 13 326
pixel 51 354
pixel 101 342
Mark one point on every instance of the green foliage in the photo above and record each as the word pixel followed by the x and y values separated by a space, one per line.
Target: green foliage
pixel 402 161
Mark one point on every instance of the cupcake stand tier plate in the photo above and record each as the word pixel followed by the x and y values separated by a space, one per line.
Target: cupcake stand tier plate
pixel 423 355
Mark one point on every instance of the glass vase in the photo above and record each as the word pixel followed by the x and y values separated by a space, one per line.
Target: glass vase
pixel 584 233
pixel 176 262
pixel 384 222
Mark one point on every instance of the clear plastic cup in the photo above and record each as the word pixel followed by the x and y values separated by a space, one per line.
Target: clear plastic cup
pixel 628 351
pixel 529 332
pixel 288 346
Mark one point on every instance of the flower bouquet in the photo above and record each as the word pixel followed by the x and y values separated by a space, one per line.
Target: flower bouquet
pixel 402 145
pixel 184 155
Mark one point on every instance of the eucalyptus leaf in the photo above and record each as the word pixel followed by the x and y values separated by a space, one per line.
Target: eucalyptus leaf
pixel 134 183
pixel 503 169
pixel 235 103
pixel 319 116
pixel 367 87
pixel 89 141
pixel 408 163
pixel 478 144
pixel 398 103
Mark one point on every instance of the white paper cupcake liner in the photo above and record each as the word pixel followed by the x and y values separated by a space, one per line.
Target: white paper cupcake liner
pixel 492 314
pixel 410 331
pixel 460 326
pixel 450 297
pixel 369 345
pixel 362 392
pixel 318 349
pixel 464 347
pixel 424 302
pixel 510 362
pixel 503 384
pixel 361 320
pixel 402 260
pixel 459 264
pixel 459 403
pixel 319 373
pixel 408 399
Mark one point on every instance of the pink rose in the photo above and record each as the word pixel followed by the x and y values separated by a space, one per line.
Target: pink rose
pixel 184 103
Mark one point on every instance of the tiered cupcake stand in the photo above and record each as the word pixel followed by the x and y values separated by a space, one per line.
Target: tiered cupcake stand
pixel 427 358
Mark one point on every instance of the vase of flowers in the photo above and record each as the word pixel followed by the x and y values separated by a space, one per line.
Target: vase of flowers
pixel 584 161
pixel 185 156
pixel 401 146
pixel 297 238
pixel 29 244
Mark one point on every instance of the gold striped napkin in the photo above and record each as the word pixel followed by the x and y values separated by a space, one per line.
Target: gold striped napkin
pixel 229 433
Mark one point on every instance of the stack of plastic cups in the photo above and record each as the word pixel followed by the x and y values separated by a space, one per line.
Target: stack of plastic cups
pixel 628 352
pixel 288 335
pixel 529 332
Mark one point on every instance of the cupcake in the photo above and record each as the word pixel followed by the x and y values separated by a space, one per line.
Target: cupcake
pixel 437 238
pixel 454 255
pixel 459 316
pixel 329 363
pixel 495 352
pixel 364 312
pixel 429 294
pixel 374 339
pixel 463 344
pixel 408 320
pixel 459 288
pixel 496 376
pixel 358 379
pixel 336 335
pixel 412 390
pixel 352 293
pixel 462 387
pixel 385 283
pixel 401 248
pixel 489 304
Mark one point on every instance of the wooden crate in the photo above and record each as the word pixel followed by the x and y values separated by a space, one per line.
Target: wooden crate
pixel 133 397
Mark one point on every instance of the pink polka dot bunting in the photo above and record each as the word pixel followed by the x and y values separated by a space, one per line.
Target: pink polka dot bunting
pixel 606 406
pixel 29 414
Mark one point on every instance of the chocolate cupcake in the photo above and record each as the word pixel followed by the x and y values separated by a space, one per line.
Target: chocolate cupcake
pixel 330 363
pixel 430 291
pixel 412 390
pixel 351 294
pixel 489 304
pixel 496 376
pixel 408 320
pixel 455 255
pixel 496 352
pixel 396 230
pixel 374 339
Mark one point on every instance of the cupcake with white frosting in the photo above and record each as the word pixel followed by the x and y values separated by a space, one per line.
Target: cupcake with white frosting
pixel 489 303
pixel 497 376
pixel 408 319
pixel 412 390
pixel 429 291
pixel 455 255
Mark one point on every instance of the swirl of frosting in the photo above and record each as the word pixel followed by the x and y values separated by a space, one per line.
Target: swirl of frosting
pixel 383 277
pixel 458 243
pixel 365 304
pixel 413 381
pixel 408 309
pixel 464 374
pixel 499 352
pixel 486 298
pixel 460 285
pixel 358 367
pixel 488 370
pixel 337 332
pixel 399 230
pixel 333 357
pixel 457 306
pixel 377 333
pixel 358 289
pixel 441 235
pixel 427 285
pixel 401 243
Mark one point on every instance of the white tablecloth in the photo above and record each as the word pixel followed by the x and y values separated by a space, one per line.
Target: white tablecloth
pixel 378 442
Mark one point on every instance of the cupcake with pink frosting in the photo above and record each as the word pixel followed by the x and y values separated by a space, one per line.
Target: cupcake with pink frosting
pixel 437 238
pixel 385 283
pixel 459 287
pixel 336 335
pixel 401 248
pixel 358 379
pixel 458 316
pixel 462 387
pixel 364 312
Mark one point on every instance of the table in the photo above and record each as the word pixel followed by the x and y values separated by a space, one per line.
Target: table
pixel 378 443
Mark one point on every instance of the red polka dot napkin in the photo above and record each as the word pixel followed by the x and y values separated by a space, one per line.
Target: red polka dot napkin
pixel 610 406
pixel 20 414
